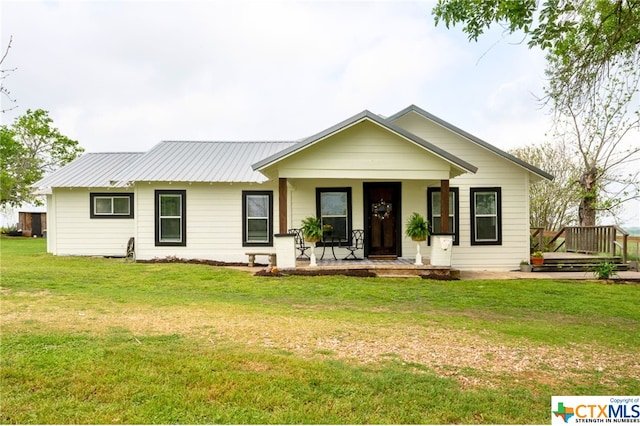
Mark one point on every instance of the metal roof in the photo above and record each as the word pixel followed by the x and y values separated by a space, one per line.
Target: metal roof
pixel 366 115
pixel 219 161
pixel 91 170
pixel 198 161
pixel 472 138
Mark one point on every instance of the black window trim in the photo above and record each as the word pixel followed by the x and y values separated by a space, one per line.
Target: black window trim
pixel 183 199
pixel 246 243
pixel 498 191
pixel 346 189
pixel 456 211
pixel 94 195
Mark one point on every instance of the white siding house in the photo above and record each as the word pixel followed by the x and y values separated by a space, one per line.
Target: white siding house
pixel 218 200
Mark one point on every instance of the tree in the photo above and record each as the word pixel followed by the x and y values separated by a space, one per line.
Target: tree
pixel 588 36
pixel 598 129
pixel 593 51
pixel 30 148
pixel 554 204
pixel 4 73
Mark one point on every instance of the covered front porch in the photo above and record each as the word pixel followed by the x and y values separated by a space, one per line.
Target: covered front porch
pixel 362 175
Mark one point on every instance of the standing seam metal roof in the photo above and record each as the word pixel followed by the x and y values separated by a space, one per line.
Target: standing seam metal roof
pixel 219 161
pixel 199 161
pixel 92 170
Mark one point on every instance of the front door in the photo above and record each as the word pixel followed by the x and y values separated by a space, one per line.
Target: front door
pixel 382 213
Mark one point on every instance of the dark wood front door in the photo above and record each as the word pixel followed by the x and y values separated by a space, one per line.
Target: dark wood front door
pixel 382 215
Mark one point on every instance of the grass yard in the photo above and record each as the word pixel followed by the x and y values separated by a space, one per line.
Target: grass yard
pixel 92 340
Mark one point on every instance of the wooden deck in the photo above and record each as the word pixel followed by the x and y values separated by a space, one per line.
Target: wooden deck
pixel 576 262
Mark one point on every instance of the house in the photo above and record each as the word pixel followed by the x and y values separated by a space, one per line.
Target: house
pixel 219 200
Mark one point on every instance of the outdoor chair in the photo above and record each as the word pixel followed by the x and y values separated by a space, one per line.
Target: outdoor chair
pixel 357 243
pixel 300 243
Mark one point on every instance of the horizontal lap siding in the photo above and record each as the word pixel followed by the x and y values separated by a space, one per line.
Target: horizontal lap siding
pixel 214 222
pixel 493 171
pixel 75 233
pixel 363 151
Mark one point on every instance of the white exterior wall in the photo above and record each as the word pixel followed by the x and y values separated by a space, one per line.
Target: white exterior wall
pixel 71 231
pixel 493 171
pixel 364 151
pixel 214 221
pixel 414 199
pixel 303 203
pixel 51 224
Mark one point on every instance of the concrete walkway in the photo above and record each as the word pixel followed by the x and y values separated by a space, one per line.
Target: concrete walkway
pixel 507 275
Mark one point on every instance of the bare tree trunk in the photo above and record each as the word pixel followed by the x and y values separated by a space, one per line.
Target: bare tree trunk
pixel 587 208
pixel 586 212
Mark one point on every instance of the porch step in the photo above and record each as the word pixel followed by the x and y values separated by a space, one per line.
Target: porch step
pixel 569 267
pixel 397 273
pixel 435 273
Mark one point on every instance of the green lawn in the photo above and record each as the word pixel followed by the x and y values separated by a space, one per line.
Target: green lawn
pixel 92 340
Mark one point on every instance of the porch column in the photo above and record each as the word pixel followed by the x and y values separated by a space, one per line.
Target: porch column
pixel 282 205
pixel 444 206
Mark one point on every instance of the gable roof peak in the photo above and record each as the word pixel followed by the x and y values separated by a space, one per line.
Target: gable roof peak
pixel 416 109
pixel 357 118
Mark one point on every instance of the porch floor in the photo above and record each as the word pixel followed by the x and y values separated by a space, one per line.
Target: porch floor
pixel 401 267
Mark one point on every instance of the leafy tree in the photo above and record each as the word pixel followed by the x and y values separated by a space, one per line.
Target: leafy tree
pixel 586 36
pixel 554 204
pixel 593 52
pixel 30 148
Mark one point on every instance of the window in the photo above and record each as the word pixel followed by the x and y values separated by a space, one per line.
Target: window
pixel 333 207
pixel 171 213
pixel 110 205
pixel 433 209
pixel 257 213
pixel 486 220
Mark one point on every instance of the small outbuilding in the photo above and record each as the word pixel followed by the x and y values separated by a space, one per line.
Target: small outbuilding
pixel 32 223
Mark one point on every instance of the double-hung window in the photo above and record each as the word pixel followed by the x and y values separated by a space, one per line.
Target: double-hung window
pixel 333 207
pixel 171 214
pixel 433 208
pixel 486 216
pixel 257 214
pixel 111 205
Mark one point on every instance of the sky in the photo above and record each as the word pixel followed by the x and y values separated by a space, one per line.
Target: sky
pixel 124 75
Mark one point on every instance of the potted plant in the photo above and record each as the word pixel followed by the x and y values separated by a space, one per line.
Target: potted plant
pixel 537 258
pixel 312 230
pixel 417 228
pixel 525 266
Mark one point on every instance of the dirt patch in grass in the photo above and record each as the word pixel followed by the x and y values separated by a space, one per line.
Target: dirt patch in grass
pixel 472 358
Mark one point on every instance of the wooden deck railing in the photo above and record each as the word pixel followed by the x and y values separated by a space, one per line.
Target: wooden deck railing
pixel 611 240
